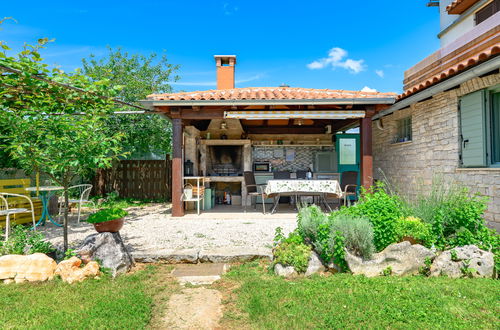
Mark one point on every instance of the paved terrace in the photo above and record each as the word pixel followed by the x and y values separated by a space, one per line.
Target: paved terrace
pixel 152 234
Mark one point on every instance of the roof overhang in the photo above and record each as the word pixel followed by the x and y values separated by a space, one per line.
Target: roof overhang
pixel 352 101
pixel 479 70
pixel 277 114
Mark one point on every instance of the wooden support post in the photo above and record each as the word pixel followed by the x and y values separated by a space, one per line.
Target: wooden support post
pixel 177 173
pixel 366 152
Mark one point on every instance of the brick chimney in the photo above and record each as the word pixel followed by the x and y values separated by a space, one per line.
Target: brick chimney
pixel 225 71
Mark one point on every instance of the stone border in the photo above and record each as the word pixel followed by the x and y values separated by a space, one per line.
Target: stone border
pixel 193 256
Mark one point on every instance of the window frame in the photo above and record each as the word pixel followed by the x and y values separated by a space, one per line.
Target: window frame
pixel 491 140
pixel 404 130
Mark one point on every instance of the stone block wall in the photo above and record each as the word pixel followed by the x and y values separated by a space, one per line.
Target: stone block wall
pixel 434 149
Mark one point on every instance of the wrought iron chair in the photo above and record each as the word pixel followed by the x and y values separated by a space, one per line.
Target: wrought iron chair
pixel 83 193
pixel 7 212
pixel 349 185
pixel 253 190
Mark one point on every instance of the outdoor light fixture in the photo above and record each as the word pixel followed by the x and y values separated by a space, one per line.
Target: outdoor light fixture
pixel 262 114
pixel 298 122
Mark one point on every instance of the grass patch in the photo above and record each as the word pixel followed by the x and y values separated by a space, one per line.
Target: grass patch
pixel 262 300
pixel 127 302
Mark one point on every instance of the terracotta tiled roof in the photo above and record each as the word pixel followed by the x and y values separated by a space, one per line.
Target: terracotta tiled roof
pixel 268 93
pixel 448 71
pixel 459 6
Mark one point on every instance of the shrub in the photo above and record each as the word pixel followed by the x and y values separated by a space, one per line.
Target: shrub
pixel 357 233
pixel 291 251
pixel 107 215
pixel 415 228
pixel 23 240
pixel 382 209
pixel 309 222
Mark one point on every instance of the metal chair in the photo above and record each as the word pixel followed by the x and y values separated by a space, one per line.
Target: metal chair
pixel 301 174
pixel 349 185
pixel 83 193
pixel 253 190
pixel 5 210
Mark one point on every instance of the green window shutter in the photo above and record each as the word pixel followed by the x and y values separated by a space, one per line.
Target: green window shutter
pixel 472 122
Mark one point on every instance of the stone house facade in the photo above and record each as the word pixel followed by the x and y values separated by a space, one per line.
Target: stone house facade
pixel 434 150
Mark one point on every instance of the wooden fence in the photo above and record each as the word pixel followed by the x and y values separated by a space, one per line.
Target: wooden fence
pixel 141 179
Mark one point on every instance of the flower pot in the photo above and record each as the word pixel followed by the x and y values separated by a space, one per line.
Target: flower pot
pixel 112 226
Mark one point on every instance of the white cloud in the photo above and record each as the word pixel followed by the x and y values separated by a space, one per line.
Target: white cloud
pixel 229 9
pixel 368 89
pixel 380 73
pixel 335 59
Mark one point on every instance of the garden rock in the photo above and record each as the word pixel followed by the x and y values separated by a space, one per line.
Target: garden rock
pixel 109 250
pixel 402 258
pixel 71 272
pixel 22 268
pixel 285 271
pixel 315 265
pixel 480 262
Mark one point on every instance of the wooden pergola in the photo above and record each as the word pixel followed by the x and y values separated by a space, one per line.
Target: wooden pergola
pixel 342 111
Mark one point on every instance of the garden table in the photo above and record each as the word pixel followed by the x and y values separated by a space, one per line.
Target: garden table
pixel 45 193
pixel 291 187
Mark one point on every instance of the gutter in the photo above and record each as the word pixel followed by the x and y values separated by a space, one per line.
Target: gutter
pixel 460 78
pixel 351 101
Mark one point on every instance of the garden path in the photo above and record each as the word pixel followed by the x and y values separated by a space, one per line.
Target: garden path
pixel 151 229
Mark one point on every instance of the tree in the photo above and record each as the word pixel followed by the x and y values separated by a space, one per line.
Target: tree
pixel 139 76
pixel 55 122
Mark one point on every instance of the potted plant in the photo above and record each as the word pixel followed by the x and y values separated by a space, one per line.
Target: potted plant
pixel 108 220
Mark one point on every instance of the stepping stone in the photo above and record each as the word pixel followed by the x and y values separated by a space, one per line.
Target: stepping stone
pixel 194 308
pixel 199 274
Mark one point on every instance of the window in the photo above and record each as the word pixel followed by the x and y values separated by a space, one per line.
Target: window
pixel 404 130
pixel 480 128
pixel 495 128
pixel 487 11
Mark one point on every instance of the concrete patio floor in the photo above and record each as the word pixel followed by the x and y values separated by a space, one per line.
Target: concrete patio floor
pixel 221 235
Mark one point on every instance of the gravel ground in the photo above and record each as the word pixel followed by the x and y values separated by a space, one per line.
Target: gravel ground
pixel 151 228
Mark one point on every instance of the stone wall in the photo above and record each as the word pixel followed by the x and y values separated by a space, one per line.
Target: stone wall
pixel 434 149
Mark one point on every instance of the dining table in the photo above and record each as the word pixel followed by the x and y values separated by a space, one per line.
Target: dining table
pixel 45 193
pixel 276 188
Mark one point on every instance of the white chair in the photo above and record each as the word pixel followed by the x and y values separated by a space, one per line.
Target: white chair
pixel 83 191
pixel 5 210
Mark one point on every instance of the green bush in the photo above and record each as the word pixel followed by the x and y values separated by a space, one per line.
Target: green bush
pixel 382 209
pixel 316 228
pixel 415 228
pixel 107 215
pixel 291 251
pixel 309 221
pixel 357 233
pixel 24 240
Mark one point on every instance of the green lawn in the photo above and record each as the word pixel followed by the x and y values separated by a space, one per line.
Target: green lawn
pixel 344 301
pixel 253 298
pixel 124 303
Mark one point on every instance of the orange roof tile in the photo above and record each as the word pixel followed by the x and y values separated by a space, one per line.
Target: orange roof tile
pixel 268 93
pixel 452 70
pixel 459 6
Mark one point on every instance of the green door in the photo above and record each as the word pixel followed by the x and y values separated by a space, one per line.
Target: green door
pixel 348 153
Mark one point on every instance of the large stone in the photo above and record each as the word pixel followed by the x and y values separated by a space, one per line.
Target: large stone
pixel 71 272
pixel 480 262
pixel 402 258
pixel 107 249
pixel 229 255
pixel 285 271
pixel 169 256
pixel 315 265
pixel 31 268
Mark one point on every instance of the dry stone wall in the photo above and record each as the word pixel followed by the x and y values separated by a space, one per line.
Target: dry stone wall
pixel 434 149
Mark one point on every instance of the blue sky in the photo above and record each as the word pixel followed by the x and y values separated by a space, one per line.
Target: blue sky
pixel 312 44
